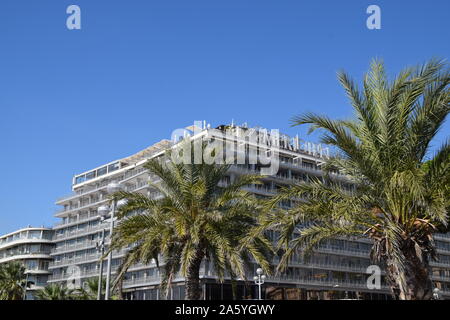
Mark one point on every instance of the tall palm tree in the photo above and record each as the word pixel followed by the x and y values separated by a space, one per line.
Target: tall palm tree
pixel 12 281
pixel 396 198
pixel 55 292
pixel 194 220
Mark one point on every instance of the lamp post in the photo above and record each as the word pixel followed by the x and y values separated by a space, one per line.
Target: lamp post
pixel 259 280
pixel 103 211
pixel 111 188
pixel 26 287
pixel 436 294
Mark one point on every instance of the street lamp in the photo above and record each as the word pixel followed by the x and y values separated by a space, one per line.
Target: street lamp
pixel 436 294
pixel 103 212
pixel 100 248
pixel 259 280
pixel 345 292
pixel 112 188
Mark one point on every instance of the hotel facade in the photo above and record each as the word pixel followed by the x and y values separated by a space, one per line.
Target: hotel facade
pixel 337 269
pixel 32 247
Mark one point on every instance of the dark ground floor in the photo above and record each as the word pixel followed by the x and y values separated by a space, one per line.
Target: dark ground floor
pixel 242 291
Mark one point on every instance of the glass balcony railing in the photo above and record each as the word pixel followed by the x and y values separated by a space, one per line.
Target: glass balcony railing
pixel 101 185
pixel 75 207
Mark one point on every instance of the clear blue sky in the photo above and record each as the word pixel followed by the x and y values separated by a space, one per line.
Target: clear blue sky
pixel 73 100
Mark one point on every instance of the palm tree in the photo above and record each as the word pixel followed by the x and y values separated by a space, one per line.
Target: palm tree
pixel 89 290
pixel 55 292
pixel 390 193
pixel 12 281
pixel 194 220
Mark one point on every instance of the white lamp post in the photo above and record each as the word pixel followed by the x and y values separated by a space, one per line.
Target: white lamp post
pixel 259 280
pixel 111 188
pixel 436 294
pixel 103 212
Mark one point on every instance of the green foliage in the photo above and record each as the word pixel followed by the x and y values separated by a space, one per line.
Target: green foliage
pixel 89 290
pixel 195 219
pixel 56 292
pixel 12 281
pixel 400 192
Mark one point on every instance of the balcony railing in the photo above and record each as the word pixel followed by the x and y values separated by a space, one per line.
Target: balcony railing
pixel 330 266
pixel 79 233
pixel 85 258
pixel 66 248
pixel 86 190
pixel 135 187
pixel 332 283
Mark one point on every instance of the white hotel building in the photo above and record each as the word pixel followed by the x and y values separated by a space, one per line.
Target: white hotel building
pixel 337 269
pixel 32 247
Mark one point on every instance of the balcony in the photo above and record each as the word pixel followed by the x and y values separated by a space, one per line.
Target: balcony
pixel 343 251
pixel 130 188
pixel 331 266
pixel 80 232
pixel 82 259
pixel 68 248
pixel 146 281
pixel 77 220
pixel 101 186
pixel 324 283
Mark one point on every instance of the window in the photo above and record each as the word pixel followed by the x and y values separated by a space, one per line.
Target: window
pixel 308 165
pixel 47 235
pixel 32 264
pixel 34 234
pixel 80 179
pixel 90 175
pixel 43 265
pixel 101 171
pixel 113 167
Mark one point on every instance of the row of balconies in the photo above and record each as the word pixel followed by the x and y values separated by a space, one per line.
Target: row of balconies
pixel 343 251
pixel 149 280
pixel 95 272
pixel 84 258
pixel 12 253
pixel 89 203
pixel 330 266
pixel 90 216
pixel 101 185
pixel 136 172
pixel 73 247
pixel 80 207
pixel 83 274
pixel 80 232
pixel 331 283
pixel 322 249
pixel 25 257
pixel 9 242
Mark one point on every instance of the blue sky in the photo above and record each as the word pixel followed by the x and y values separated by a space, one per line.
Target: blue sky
pixel 73 100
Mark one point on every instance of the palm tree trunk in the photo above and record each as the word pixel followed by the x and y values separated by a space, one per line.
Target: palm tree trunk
pixel 417 284
pixel 193 289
